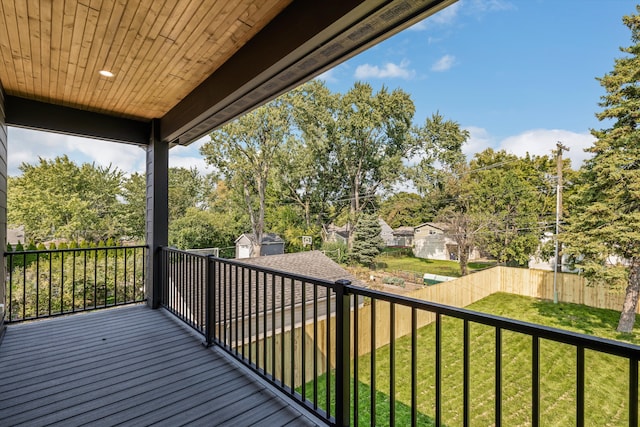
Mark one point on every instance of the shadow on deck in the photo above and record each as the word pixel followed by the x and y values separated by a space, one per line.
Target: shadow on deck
pixel 132 366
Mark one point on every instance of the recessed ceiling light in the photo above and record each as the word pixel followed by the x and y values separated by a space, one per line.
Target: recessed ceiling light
pixel 105 73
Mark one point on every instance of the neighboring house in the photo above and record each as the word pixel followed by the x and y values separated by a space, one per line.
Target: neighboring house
pixel 15 235
pixel 538 263
pixel 334 234
pixel 404 236
pixel 272 244
pixel 431 241
pixel 386 232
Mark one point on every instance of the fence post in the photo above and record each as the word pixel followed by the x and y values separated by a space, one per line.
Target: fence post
pixel 210 301
pixel 343 357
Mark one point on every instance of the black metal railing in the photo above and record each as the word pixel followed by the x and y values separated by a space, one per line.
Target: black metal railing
pixel 44 283
pixel 355 356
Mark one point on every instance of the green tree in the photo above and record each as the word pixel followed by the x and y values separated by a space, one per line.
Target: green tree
pixel 57 198
pixel 371 137
pixel 504 197
pixel 404 208
pixel 199 229
pixel 243 153
pixel 439 151
pixel 367 243
pixel 603 231
pixel 308 169
pixel 186 188
pixel 134 206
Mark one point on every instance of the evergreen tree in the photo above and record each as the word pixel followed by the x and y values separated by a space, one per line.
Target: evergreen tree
pixel 367 242
pixel 604 225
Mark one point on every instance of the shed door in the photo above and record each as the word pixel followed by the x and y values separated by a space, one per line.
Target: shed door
pixel 244 251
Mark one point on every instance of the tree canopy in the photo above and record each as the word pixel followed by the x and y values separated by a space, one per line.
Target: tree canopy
pixel 603 232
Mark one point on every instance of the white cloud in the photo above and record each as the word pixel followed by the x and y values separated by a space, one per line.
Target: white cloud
pixel 190 157
pixel 390 70
pixel 445 17
pixel 328 76
pixel 479 140
pixel 28 145
pixel 537 142
pixel 543 142
pixel 444 63
pixel 490 5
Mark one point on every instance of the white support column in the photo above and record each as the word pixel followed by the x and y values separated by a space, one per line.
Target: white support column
pixel 157 221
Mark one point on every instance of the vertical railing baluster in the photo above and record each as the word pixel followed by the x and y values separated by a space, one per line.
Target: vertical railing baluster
pixel 125 275
pixel 465 375
pixel 95 278
pixel 414 367
pixel 210 300
pixel 273 326
pixel 356 356
pixel 498 381
pixel 61 282
pixel 535 381
pixel 225 303
pixel 633 392
pixel 327 351
pixel 84 281
pixel 115 279
pixel 10 291
pixel 250 318
pixel 264 323
pixel 343 356
pixel 73 282
pixel 303 341
pixel 38 285
pixel 392 364
pixel 315 346
pixel 24 286
pixel 580 386
pixel 241 297
pixel 106 272
pixel 438 369
pixel 372 352
pixel 282 329
pixel 50 279
pixel 292 335
pixel 236 316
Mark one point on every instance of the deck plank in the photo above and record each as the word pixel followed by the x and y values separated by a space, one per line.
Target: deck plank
pixel 131 366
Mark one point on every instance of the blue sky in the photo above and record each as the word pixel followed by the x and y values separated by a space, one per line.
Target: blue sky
pixel 518 74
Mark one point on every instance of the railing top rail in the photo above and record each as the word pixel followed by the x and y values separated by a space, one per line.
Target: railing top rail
pixel 180 251
pixel 97 248
pixel 299 277
pixel 616 348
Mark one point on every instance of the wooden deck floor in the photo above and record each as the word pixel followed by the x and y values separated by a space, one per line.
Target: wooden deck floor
pixel 129 366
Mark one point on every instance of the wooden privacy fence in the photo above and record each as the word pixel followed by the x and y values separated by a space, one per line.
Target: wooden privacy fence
pixel 461 292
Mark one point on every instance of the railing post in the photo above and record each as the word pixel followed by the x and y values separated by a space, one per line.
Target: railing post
pixel 210 301
pixel 343 356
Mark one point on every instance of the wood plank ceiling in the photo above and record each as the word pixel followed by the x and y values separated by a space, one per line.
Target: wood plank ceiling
pixel 191 64
pixel 158 51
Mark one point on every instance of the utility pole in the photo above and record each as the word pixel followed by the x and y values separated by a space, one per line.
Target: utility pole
pixel 559 185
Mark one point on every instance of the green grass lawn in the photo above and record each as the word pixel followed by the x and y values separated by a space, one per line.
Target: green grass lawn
pixel 421 265
pixel 606 379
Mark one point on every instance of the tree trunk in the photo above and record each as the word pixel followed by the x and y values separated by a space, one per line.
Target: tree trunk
pixel 463 257
pixel 628 314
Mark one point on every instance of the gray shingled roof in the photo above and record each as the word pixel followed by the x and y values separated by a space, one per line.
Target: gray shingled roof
pixel 267 238
pixel 312 264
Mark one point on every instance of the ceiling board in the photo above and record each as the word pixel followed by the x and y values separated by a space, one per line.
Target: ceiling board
pixel 191 64
pixel 159 51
